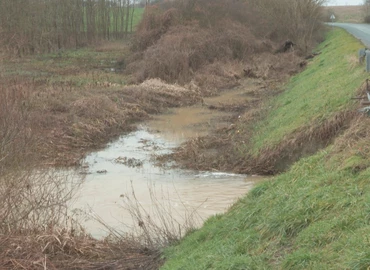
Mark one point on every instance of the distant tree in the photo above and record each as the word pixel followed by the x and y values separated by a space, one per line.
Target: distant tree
pixel 36 26
pixel 366 9
pixel 298 21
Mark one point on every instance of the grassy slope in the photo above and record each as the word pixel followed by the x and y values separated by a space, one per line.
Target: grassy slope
pixel 315 94
pixel 315 216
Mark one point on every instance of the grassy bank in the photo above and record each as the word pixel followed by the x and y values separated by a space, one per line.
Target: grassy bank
pixel 316 94
pixel 316 215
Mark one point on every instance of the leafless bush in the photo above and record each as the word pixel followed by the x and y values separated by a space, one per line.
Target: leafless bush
pixel 178 38
pixel 299 21
pixel 218 75
pixel 185 49
pixel 39 26
pixel 32 199
pixel 153 25
pixel 28 197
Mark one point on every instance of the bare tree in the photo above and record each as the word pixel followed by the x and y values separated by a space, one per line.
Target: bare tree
pixel 291 19
pixel 35 26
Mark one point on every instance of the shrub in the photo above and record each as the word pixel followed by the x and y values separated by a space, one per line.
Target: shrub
pixel 177 38
pixel 176 56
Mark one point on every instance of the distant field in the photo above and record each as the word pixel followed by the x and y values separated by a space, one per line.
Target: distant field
pixel 350 14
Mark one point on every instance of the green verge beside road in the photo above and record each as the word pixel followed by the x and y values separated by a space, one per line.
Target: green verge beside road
pixel 317 93
pixel 317 214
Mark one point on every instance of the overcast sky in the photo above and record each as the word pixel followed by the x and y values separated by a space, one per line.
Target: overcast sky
pixel 345 2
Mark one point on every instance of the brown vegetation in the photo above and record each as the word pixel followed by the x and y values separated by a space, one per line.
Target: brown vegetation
pixel 179 39
pixel 53 248
pixel 29 27
pixel 69 122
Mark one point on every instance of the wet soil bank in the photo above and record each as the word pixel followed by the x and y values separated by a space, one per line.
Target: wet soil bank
pixel 227 149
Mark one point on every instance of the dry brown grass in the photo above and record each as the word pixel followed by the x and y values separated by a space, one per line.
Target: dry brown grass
pixel 15 132
pixel 179 54
pixel 352 147
pixel 54 248
pixel 69 121
pixel 304 142
pixel 184 41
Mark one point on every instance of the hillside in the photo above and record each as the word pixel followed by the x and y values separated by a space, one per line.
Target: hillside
pixel 315 215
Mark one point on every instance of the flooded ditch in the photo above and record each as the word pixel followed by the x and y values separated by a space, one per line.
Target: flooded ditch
pixel 127 165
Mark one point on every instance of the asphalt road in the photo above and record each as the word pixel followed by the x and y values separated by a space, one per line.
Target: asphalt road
pixel 359 31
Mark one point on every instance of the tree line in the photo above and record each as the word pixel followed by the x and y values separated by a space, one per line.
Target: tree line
pixel 37 26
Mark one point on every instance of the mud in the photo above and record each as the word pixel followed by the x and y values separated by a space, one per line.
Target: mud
pixel 185 123
pixel 226 149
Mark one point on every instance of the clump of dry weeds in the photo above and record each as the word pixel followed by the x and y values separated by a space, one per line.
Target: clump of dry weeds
pixel 301 143
pixel 186 49
pixel 54 248
pixel 179 41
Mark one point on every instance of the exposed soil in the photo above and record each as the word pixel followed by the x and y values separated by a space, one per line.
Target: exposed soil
pixel 219 151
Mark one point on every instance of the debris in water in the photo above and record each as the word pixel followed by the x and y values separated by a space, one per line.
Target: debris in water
pixel 130 162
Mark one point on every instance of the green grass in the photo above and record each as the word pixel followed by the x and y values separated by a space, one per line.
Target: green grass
pixel 138 14
pixel 316 215
pixel 317 93
pixel 313 217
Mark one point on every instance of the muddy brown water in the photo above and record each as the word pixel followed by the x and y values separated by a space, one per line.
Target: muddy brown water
pixel 126 166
